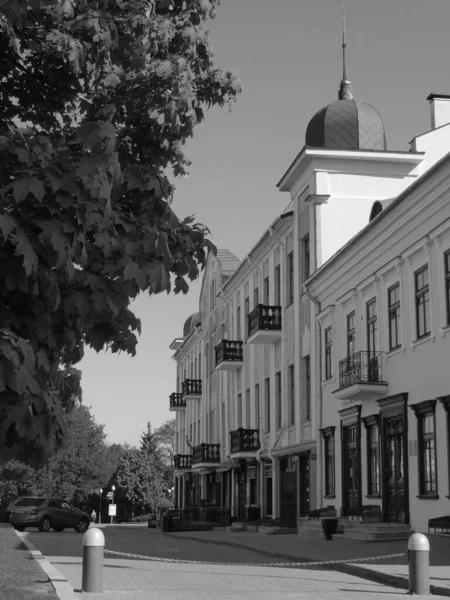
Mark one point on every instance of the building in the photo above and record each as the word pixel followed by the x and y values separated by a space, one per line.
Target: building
pixel 258 422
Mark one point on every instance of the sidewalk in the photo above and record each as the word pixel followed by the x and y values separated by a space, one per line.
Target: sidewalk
pixel 142 580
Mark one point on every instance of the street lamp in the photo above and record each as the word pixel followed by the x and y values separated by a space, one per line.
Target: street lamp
pixel 100 506
pixel 113 489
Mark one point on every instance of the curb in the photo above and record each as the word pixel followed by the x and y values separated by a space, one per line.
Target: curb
pixel 63 589
pixel 348 568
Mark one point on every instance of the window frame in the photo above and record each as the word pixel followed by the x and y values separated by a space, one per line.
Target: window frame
pixel 351 333
pixel 291 388
pixel 371 325
pixel 426 455
pixel 278 400
pixel 328 352
pixel 277 285
pixel 329 443
pixel 394 315
pixel 290 278
pixel 422 299
pixel 267 423
pixel 447 284
pixel 266 291
pixel 371 424
pixel 307 379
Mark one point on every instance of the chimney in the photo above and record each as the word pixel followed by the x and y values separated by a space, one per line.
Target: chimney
pixel 440 110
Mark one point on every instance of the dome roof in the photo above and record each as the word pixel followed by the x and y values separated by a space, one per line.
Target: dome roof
pixel 191 323
pixel 346 125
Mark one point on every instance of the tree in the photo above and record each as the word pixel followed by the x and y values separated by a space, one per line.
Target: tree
pixel 83 465
pixel 149 443
pixel 16 479
pixel 97 101
pixel 141 481
pixel 165 440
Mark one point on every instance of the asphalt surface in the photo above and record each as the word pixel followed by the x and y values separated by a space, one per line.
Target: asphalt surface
pixel 147 542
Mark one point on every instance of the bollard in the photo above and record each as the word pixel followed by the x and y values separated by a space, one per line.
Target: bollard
pixel 419 564
pixel 93 549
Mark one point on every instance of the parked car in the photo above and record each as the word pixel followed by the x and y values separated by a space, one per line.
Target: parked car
pixel 46 513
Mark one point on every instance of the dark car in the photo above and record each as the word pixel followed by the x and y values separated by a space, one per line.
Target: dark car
pixel 46 513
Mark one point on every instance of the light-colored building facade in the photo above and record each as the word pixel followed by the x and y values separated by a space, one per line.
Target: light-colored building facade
pixel 256 422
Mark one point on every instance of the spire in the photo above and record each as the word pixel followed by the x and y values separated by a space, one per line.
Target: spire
pixel 345 91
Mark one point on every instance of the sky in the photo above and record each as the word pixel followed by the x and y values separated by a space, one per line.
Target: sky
pixel 288 56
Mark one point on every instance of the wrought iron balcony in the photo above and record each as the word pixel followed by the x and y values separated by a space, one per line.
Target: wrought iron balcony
pixel 264 324
pixel 244 442
pixel 229 355
pixel 361 376
pixel 205 455
pixel 182 461
pixel 177 402
pixel 191 388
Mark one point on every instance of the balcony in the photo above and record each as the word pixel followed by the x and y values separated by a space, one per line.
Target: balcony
pixel 361 377
pixel 177 402
pixel 244 443
pixel 264 325
pixel 182 461
pixel 191 388
pixel 229 355
pixel 206 455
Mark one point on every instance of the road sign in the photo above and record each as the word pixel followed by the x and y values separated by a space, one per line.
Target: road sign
pixel 110 495
pixel 112 510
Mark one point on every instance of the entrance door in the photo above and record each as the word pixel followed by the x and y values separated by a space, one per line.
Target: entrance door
pixel 351 470
pixel 241 495
pixel 269 497
pixel 288 495
pixel 304 485
pixel 394 469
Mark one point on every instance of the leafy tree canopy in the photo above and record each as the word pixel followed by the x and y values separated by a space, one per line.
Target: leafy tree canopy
pixel 97 101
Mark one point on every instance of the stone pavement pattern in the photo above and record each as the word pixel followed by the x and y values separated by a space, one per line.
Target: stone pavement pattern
pixel 142 580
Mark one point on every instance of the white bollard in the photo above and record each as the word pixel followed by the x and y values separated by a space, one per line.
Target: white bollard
pixel 419 564
pixel 93 549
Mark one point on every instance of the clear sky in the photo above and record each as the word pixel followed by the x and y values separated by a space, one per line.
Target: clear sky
pixel 288 56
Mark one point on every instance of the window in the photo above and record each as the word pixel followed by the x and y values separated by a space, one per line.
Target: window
pixel 246 313
pixel 257 424
pixel 422 288
pixel 351 333
pixel 239 411
pixel 290 278
pixel 195 434
pixel 373 455
pixel 445 401
pixel 307 375
pixel 371 314
pixel 266 291
pixel 328 449
pixel 291 378
pixel 447 284
pixel 255 297
pixel 278 400
pixel 213 294
pixel 238 323
pixel 328 353
pixel 426 435
pixel 267 402
pixel 306 260
pixel 247 409
pixel 394 316
pixel 222 429
pixel 277 286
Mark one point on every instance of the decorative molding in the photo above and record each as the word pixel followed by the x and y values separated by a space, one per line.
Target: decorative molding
pixel 328 431
pixel 350 415
pixel 445 401
pixel 393 404
pixel 425 407
pixel 398 264
pixel 371 421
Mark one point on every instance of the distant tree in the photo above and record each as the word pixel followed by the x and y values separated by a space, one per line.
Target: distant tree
pixel 16 479
pixel 84 464
pixel 149 443
pixel 97 100
pixel 165 440
pixel 140 481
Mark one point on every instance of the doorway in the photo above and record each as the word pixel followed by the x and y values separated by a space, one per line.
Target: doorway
pixel 304 484
pixel 351 469
pixel 394 469
pixel 288 494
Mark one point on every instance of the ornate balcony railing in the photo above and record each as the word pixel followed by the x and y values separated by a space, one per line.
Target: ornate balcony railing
pixel 204 453
pixel 182 461
pixel 191 387
pixel 177 401
pixel 229 351
pixel 264 318
pixel 245 440
pixel 361 367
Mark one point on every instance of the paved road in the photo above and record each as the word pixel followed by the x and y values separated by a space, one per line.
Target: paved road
pixel 147 542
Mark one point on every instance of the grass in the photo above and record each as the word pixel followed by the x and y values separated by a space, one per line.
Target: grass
pixel 21 578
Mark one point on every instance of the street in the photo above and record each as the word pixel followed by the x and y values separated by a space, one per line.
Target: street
pixel 148 580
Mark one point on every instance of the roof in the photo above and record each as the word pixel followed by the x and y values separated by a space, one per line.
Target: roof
pixel 228 260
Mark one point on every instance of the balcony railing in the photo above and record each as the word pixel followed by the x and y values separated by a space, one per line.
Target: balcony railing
pixel 245 440
pixel 177 402
pixel 230 351
pixel 182 461
pixel 204 453
pixel 361 367
pixel 191 387
pixel 264 318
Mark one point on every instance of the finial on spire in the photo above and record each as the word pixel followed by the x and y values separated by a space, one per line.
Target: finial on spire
pixel 345 91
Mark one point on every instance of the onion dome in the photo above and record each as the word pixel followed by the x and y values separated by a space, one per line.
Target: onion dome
pixel 191 323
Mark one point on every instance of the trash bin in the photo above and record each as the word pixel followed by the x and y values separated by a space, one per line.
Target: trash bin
pixel 169 523
pixel 329 527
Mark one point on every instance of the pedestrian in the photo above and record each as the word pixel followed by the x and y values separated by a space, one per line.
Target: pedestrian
pixel 93 516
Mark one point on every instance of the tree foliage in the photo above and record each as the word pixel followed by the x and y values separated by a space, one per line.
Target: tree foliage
pixel 16 479
pixel 97 101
